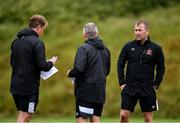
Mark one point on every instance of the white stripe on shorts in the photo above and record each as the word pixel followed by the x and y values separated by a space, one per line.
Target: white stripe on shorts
pixel 157 106
pixel 86 110
pixel 31 107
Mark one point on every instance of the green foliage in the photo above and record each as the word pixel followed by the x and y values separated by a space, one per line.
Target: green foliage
pixel 115 20
pixel 77 11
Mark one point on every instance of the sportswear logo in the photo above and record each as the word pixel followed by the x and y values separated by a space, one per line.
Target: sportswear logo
pixel 76 113
pixel 132 49
pixel 31 107
pixel 153 107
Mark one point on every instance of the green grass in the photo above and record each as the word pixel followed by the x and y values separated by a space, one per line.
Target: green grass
pixel 71 120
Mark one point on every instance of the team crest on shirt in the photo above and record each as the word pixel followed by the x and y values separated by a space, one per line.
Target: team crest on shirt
pixel 149 52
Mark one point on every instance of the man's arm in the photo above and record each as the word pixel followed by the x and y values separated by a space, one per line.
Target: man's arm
pixel 121 64
pixel 108 62
pixel 160 67
pixel 79 64
pixel 11 55
pixel 41 57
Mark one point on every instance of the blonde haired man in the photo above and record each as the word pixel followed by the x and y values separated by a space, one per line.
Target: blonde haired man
pixel 27 60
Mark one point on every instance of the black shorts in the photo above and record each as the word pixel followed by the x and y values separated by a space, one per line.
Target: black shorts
pixel 26 103
pixel 146 96
pixel 86 109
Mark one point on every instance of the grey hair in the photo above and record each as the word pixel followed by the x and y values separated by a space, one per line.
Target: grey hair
pixel 90 29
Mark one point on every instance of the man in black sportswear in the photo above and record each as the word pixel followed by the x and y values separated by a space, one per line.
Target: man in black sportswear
pixel 91 66
pixel 27 60
pixel 142 57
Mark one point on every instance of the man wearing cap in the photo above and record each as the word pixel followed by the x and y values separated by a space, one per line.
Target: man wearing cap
pixel 91 66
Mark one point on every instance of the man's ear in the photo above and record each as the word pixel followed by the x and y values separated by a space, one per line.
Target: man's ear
pixel 38 28
pixel 97 33
pixel 84 35
pixel 147 32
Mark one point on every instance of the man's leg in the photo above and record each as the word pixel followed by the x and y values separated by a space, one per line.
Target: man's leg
pixel 83 111
pixel 95 119
pixel 24 117
pixel 148 103
pixel 98 108
pixel 148 117
pixel 128 103
pixel 124 115
pixel 88 110
pixel 81 120
pixel 26 106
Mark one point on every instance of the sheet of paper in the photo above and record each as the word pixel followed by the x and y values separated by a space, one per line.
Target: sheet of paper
pixel 46 75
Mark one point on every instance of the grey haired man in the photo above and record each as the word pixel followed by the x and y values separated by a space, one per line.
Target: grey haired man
pixel 91 67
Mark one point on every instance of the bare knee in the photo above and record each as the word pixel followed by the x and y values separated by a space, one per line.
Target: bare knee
pixel 95 119
pixel 148 117
pixel 124 115
pixel 81 120
pixel 24 117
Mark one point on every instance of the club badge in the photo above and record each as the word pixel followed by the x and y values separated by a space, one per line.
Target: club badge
pixel 149 52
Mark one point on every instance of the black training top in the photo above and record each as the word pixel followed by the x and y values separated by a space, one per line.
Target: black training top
pixel 27 60
pixel 92 65
pixel 141 62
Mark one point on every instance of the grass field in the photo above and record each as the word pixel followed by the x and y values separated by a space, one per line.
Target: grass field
pixel 72 120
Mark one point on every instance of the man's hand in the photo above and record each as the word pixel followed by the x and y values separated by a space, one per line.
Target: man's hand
pixel 156 87
pixel 122 86
pixel 53 59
